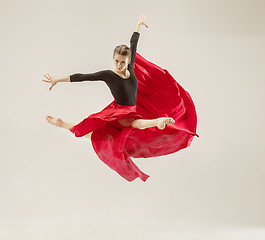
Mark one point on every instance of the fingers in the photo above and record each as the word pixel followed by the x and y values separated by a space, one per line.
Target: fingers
pixel 142 19
pixel 52 86
pixel 49 81
pixel 143 16
pixel 47 77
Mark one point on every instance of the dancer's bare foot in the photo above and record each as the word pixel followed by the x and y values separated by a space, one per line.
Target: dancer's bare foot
pixel 55 121
pixel 161 123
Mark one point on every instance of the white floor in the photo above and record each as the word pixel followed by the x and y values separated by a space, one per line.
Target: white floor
pixel 130 232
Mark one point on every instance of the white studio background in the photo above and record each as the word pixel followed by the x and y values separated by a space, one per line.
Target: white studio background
pixel 214 49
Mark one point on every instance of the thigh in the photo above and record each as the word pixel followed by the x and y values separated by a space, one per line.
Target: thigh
pixel 126 122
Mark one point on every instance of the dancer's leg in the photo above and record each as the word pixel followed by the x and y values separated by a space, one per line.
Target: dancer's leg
pixel 146 123
pixel 58 122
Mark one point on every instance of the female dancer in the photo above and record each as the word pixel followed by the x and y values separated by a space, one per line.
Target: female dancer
pixel 114 131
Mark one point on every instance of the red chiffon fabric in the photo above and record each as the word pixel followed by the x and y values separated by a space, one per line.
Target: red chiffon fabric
pixel 158 95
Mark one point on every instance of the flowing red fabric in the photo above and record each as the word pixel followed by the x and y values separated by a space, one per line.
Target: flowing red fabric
pixel 158 95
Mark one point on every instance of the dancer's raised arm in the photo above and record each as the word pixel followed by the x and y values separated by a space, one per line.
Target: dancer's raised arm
pixel 135 37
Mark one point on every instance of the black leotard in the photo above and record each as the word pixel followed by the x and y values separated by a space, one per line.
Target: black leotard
pixel 123 90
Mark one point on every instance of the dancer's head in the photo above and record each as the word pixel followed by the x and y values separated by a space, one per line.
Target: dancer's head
pixel 122 57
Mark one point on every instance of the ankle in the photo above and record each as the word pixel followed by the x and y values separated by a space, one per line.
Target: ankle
pixel 156 121
pixel 66 125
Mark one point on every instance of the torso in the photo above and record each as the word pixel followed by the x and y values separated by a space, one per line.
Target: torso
pixel 123 87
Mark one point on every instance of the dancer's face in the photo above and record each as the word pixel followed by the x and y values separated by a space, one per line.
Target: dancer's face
pixel 121 62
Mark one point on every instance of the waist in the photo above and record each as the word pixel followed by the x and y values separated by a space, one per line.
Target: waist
pixel 124 106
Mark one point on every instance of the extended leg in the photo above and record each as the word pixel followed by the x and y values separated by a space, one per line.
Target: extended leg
pixel 58 122
pixel 147 123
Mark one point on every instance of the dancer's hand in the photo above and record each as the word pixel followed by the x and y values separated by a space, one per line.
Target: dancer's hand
pixel 142 20
pixel 51 80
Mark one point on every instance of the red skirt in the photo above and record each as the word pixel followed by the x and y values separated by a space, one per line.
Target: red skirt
pixel 158 95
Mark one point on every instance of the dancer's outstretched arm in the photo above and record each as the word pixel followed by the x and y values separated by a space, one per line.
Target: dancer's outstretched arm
pixel 78 77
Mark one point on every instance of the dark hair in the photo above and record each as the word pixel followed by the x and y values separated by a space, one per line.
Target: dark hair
pixel 123 50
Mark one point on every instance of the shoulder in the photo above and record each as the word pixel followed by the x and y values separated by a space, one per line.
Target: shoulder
pixel 105 72
pixel 109 71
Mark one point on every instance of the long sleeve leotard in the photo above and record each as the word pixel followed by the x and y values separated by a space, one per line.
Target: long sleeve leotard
pixel 124 90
